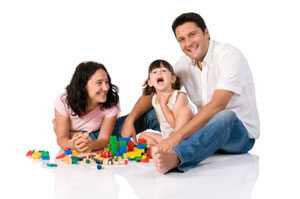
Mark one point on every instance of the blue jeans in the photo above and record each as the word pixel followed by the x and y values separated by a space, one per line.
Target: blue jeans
pixel 146 121
pixel 224 133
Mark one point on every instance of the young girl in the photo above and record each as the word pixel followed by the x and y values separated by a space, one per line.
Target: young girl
pixel 171 105
pixel 90 103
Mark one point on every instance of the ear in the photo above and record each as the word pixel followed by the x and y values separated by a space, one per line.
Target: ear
pixel 206 33
pixel 150 83
pixel 173 79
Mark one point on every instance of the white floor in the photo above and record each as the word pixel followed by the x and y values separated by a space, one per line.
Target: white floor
pixel 221 176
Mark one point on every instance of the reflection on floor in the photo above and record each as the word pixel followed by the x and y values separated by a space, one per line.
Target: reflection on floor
pixel 221 176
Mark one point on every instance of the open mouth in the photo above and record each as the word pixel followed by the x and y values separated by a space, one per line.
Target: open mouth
pixel 160 80
pixel 192 48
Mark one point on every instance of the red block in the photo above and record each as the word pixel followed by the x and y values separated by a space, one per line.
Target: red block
pixel 29 153
pixel 130 146
pixel 61 156
pixel 142 141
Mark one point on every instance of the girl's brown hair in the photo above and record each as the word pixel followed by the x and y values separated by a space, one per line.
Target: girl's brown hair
pixel 147 90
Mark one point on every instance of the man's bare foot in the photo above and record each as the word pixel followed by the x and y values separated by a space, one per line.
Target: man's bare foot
pixel 164 161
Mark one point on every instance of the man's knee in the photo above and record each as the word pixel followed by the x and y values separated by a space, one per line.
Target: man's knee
pixel 226 116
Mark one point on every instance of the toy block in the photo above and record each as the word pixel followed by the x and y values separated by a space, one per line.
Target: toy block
pixel 36 156
pixel 144 160
pixel 140 146
pixel 51 165
pixel 142 141
pixel 61 156
pixel 68 152
pixel 74 152
pixel 29 153
pixel 130 146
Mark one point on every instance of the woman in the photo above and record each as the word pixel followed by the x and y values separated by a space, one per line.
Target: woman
pixel 90 103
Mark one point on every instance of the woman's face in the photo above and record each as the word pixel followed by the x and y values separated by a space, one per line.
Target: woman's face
pixel 97 87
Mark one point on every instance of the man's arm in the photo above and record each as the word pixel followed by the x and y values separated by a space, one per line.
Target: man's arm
pixel 218 103
pixel 142 106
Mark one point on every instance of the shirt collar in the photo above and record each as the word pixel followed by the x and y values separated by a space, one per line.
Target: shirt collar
pixel 209 55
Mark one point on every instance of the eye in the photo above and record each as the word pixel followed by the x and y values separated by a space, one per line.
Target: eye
pixel 180 40
pixel 193 34
pixel 164 70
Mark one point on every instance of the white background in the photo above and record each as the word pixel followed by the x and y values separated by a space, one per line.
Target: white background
pixel 41 43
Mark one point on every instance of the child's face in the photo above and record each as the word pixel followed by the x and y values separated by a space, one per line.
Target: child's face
pixel 97 87
pixel 161 79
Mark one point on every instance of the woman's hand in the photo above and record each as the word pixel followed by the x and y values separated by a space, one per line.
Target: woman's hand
pixel 83 144
pixel 128 130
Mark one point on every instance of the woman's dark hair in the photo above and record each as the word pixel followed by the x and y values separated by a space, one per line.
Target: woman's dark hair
pixel 189 17
pixel 147 90
pixel 76 90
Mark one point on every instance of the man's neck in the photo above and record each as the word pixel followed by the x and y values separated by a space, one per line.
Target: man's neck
pixel 199 64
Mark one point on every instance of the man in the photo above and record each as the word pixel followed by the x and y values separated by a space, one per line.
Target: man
pixel 219 82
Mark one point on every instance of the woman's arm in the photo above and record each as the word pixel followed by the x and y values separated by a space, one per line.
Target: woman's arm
pixel 106 129
pixel 62 128
pixel 142 106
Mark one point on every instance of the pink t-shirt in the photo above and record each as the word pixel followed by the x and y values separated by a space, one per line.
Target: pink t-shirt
pixel 89 122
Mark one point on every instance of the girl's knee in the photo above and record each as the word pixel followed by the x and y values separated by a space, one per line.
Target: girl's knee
pixel 185 112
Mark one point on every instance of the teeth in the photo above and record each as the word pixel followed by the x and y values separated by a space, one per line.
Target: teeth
pixel 193 47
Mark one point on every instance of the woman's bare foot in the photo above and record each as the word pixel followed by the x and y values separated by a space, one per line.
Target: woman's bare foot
pixel 164 160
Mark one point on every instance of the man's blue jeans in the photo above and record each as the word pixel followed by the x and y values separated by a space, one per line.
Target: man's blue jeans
pixel 224 133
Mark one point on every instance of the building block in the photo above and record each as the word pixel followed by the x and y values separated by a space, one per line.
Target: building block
pixel 61 156
pixel 51 165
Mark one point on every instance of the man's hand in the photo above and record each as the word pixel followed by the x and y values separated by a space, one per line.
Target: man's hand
pixel 169 143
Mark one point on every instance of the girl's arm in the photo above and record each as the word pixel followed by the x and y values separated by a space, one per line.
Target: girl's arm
pixel 62 127
pixel 181 102
pixel 106 129
pixel 163 101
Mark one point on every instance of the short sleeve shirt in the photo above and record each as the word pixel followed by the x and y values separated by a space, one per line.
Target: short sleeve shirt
pixel 89 122
pixel 224 67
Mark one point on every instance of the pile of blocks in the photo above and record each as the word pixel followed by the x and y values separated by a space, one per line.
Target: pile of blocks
pixel 119 151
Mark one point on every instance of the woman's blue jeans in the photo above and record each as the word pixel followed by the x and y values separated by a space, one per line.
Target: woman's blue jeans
pixel 146 121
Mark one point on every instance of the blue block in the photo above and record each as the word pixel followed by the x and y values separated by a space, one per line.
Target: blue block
pixel 141 146
pixel 68 152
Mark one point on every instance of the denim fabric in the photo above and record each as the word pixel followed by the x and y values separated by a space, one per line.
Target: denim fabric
pixel 224 133
pixel 146 121
pixel 94 135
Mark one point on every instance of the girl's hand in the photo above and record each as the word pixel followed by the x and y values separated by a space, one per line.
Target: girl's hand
pixel 163 99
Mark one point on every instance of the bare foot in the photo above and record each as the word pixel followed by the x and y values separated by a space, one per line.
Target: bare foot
pixel 164 160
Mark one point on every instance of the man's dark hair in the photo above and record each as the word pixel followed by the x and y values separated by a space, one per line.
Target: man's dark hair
pixel 189 17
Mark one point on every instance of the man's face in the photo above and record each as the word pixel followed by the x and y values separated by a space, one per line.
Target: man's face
pixel 192 40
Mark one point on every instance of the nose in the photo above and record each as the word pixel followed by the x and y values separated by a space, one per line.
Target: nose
pixel 188 42
pixel 105 87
